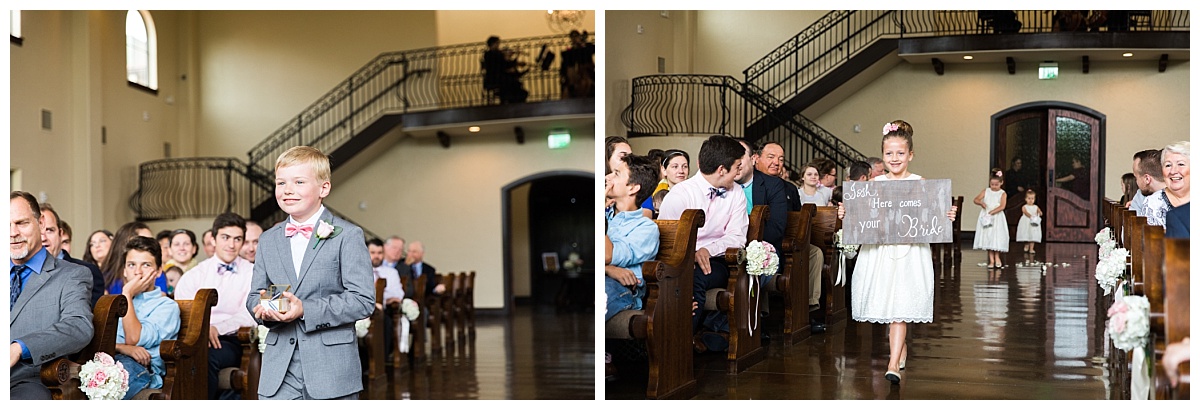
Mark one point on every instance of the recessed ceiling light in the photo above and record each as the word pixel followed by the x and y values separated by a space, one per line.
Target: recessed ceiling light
pixel 968 57
pixel 473 129
pixel 1127 55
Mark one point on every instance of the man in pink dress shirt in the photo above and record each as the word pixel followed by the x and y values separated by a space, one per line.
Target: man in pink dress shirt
pixel 230 275
pixel 725 218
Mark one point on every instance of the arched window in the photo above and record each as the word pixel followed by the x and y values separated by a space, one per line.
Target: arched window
pixel 141 50
pixel 14 26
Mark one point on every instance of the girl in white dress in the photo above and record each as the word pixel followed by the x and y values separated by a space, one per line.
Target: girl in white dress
pixel 893 284
pixel 1027 231
pixel 991 231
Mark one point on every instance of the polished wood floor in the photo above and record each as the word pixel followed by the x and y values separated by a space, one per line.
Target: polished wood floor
pixel 534 354
pixel 1013 333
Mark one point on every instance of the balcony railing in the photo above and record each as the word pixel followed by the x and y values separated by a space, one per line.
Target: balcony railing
pixel 426 79
pixel 839 35
pixel 202 188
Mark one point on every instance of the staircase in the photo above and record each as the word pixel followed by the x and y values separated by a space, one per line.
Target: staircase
pixel 427 87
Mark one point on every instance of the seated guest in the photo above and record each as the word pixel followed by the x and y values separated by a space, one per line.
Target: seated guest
pixel 725 222
pixel 209 244
pixel 173 275
pixel 631 238
pixel 675 164
pixel 152 317
pixel 97 247
pixel 827 170
pixel 393 252
pixel 250 247
pixel 164 240
pixel 52 241
pixel 112 268
pixel 48 302
pixel 1147 201
pixel 859 171
pixel 811 192
pixel 230 275
pixel 393 291
pixel 65 228
pixel 183 250
pixel 414 267
pixel 1128 187
pixel 1176 162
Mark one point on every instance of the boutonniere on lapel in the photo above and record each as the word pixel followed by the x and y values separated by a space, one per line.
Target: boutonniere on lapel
pixel 326 230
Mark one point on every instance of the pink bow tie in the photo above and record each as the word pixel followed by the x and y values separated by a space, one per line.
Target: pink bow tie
pixel 304 230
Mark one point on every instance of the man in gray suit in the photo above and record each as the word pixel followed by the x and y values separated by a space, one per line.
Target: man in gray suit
pixel 50 316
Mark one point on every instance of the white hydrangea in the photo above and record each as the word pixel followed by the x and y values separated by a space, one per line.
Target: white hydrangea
pixel 262 338
pixel 761 258
pixel 410 309
pixel 1110 268
pixel 1129 322
pixel 362 326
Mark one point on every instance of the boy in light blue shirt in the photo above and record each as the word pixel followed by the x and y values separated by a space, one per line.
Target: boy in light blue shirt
pixel 152 317
pixel 631 238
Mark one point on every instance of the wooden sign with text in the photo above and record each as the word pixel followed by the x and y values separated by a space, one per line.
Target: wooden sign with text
pixel 893 212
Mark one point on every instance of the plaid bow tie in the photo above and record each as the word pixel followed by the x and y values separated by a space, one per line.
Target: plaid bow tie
pixel 715 192
pixel 304 230
pixel 223 268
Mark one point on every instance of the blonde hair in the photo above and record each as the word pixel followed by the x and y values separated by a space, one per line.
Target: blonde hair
pixel 306 155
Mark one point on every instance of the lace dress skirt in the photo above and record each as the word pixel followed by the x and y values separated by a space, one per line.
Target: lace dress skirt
pixel 893 283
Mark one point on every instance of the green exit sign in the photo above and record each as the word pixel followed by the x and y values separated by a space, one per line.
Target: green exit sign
pixel 559 139
pixel 1047 71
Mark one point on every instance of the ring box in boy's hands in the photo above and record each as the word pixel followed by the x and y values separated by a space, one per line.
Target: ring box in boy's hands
pixel 897 212
pixel 273 299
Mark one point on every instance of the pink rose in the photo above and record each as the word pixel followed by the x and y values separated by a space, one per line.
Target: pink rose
pixel 1118 323
pixel 104 358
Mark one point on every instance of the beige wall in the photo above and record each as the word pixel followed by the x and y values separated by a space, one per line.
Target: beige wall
pixel 951 114
pixel 629 54
pixel 259 69
pixel 728 41
pixel 466 26
pixel 73 64
pixel 451 199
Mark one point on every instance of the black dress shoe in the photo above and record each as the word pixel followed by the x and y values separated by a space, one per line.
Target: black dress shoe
pixel 817 327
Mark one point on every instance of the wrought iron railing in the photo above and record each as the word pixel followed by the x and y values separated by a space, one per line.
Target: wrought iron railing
pixel 839 35
pixel 715 104
pixel 685 104
pixel 397 82
pixel 202 187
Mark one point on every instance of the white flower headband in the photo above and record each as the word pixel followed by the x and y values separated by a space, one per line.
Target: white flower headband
pixel 890 127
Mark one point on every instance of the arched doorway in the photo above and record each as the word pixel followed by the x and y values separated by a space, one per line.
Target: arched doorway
pixel 549 213
pixel 1055 149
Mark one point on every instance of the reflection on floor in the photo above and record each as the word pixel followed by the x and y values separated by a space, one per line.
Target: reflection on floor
pixel 533 354
pixel 1013 333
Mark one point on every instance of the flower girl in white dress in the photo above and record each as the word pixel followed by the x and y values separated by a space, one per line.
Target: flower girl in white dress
pixel 991 232
pixel 893 283
pixel 1029 228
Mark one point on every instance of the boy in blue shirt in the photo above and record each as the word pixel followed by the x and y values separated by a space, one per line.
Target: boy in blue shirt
pixel 151 319
pixel 631 238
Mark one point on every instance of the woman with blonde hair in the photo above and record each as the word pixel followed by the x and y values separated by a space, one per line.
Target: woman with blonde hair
pixel 1176 161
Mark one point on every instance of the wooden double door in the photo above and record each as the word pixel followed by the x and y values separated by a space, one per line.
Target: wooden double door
pixel 1056 150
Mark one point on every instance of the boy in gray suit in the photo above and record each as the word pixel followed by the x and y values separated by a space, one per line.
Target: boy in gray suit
pixel 312 351
pixel 48 299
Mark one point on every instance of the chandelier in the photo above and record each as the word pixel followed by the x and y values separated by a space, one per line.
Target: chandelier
pixel 562 21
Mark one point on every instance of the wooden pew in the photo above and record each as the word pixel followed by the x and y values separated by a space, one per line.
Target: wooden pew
pixel 825 224
pixel 460 308
pixel 944 254
pixel 374 371
pixel 745 339
pixel 792 282
pixel 1176 266
pixel 957 226
pixel 665 321
pixel 186 357
pixel 416 292
pixel 1133 235
pixel 62 375
pixel 469 302
pixel 244 378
